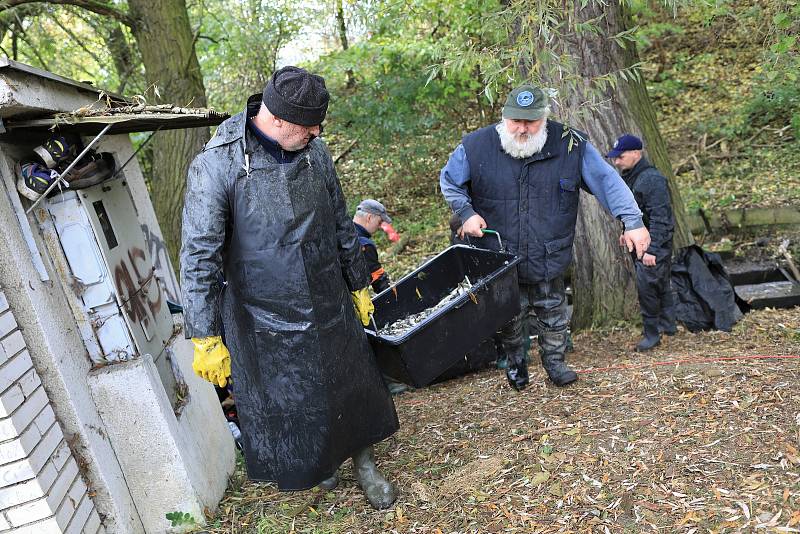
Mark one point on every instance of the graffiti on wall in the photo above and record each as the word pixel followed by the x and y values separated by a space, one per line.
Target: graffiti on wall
pixel 160 256
pixel 132 276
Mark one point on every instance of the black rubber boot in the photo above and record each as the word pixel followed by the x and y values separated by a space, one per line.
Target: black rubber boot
pixel 517 371
pixel 669 331
pixel 651 337
pixel 667 325
pixel 558 371
pixel 380 492
pixel 330 483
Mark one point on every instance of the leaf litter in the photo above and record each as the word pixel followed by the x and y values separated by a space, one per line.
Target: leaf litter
pixel 688 447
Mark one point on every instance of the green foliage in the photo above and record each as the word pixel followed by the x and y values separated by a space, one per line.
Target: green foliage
pixel 239 45
pixel 72 42
pixel 383 86
pixel 728 98
pixel 525 40
pixel 776 103
pixel 776 99
pixel 180 519
pixel 393 96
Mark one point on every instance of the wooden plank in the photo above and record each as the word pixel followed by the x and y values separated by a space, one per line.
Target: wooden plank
pixel 739 218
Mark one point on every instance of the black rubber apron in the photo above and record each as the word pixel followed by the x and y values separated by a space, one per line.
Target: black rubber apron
pixel 307 389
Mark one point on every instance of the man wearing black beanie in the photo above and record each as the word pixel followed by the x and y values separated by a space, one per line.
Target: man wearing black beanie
pixel 264 206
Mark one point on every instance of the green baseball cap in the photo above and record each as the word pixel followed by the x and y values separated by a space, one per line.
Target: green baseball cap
pixel 526 102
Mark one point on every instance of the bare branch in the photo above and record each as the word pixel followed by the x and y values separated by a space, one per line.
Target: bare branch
pixel 96 6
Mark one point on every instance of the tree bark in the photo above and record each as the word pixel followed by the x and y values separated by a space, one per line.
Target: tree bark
pixel 342 26
pixel 166 43
pixel 604 287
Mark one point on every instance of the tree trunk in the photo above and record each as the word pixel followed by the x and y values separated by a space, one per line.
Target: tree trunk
pixel 342 26
pixel 166 43
pixel 645 116
pixel 603 282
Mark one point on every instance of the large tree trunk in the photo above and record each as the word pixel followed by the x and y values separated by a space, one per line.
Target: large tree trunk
pixel 603 281
pixel 166 43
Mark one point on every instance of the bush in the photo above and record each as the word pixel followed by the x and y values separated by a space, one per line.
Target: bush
pixel 392 95
pixel 776 104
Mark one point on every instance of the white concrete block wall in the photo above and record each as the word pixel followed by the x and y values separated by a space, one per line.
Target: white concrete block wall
pixel 41 488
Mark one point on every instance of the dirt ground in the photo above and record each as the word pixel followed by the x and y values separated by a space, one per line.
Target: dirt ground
pixel 676 440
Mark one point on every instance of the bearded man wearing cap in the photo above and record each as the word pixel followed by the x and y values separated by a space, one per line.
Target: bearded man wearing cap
pixel 651 191
pixel 264 206
pixel 521 177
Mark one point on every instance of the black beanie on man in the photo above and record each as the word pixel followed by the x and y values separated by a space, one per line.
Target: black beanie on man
pixel 297 96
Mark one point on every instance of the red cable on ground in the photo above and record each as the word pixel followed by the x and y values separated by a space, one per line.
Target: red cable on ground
pixel 689 360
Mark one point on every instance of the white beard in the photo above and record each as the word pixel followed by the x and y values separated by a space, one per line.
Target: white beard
pixel 521 149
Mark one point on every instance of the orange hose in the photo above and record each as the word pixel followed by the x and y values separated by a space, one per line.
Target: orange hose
pixel 690 360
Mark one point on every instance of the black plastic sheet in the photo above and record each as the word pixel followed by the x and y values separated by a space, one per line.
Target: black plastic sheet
pixel 703 293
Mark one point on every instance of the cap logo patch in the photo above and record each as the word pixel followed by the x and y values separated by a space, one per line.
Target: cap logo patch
pixel 616 143
pixel 525 99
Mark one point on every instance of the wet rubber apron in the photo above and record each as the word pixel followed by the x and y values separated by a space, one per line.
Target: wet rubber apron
pixel 307 389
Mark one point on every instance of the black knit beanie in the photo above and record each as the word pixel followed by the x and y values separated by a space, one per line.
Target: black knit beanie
pixel 297 96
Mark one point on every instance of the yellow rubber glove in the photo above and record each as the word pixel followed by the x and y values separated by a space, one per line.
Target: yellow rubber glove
pixel 212 361
pixel 363 305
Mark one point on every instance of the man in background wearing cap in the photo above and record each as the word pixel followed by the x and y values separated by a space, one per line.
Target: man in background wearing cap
pixel 522 177
pixel 370 214
pixel 651 191
pixel 264 205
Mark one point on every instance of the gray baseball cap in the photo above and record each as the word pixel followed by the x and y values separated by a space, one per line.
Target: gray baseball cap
pixel 526 102
pixel 376 208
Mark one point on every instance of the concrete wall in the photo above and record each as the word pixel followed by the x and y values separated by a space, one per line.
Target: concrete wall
pixel 171 463
pixel 24 94
pixel 59 355
pixel 41 488
pixel 109 420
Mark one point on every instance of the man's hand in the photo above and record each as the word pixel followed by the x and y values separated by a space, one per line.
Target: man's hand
pixel 649 260
pixel 212 361
pixel 638 240
pixel 473 226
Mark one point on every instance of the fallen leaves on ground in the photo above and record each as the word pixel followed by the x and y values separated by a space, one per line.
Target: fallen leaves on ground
pixel 633 446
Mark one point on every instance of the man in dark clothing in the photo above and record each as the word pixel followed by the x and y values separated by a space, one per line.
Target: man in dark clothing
pixel 369 217
pixel 522 178
pixel 370 214
pixel 264 206
pixel 651 191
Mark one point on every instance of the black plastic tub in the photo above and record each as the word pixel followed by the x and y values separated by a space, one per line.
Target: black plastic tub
pixel 433 346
